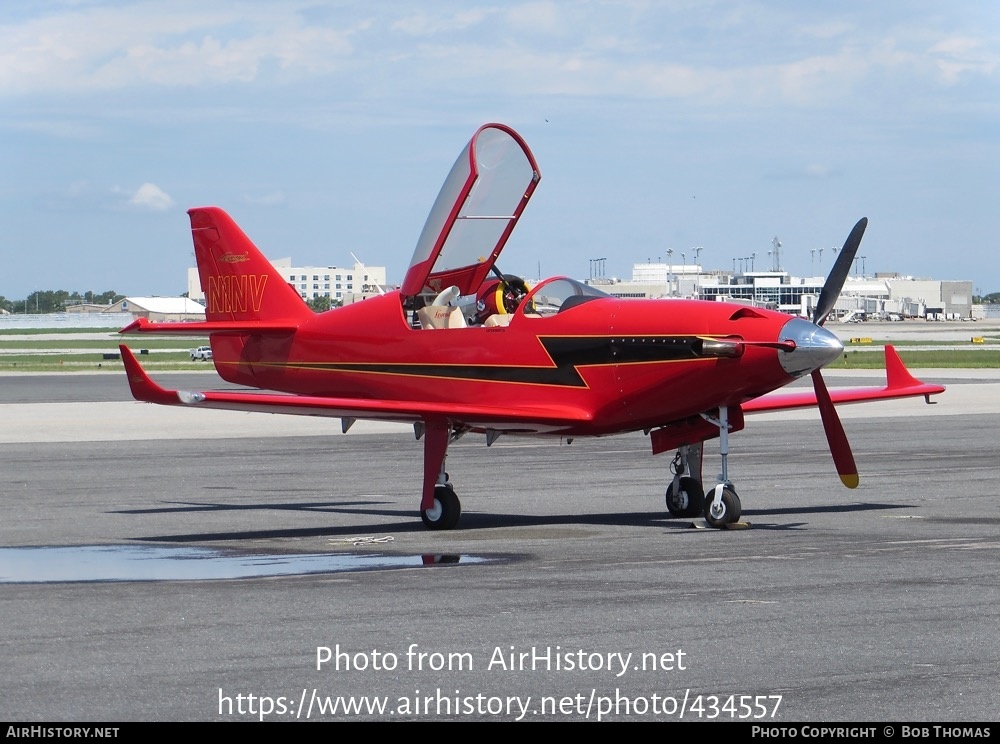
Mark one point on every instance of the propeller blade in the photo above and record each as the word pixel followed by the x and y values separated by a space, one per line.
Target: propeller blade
pixel 840 448
pixel 838 274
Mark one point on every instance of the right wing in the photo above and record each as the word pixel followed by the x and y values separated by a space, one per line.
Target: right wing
pixel 899 383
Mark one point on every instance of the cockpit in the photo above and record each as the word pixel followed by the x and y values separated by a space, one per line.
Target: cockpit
pixel 558 295
pixel 498 302
pixel 453 280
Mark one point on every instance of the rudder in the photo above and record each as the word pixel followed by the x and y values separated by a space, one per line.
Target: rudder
pixel 239 283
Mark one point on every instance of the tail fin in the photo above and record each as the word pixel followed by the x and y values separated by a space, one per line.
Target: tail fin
pixel 240 285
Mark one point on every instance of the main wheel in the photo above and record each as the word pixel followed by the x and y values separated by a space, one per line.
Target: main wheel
pixel 726 512
pixel 689 501
pixel 445 512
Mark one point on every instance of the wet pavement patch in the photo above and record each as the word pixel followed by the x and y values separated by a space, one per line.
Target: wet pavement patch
pixel 30 565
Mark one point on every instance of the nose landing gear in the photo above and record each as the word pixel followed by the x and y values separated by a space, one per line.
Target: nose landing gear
pixel 686 496
pixel 723 508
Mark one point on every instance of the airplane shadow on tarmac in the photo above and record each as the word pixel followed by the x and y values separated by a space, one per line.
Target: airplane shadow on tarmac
pixel 471 521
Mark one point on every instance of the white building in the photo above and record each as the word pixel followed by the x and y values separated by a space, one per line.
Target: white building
pixel 343 284
pixel 882 294
pixel 159 309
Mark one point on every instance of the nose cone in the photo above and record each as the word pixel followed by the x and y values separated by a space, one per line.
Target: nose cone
pixel 815 347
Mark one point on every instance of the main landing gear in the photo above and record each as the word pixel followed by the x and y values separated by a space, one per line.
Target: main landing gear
pixel 686 496
pixel 440 508
pixel 445 512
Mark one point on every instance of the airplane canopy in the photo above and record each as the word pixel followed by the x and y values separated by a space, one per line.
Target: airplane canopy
pixel 474 214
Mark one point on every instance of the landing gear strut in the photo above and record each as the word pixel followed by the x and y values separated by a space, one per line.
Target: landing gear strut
pixel 440 508
pixel 722 507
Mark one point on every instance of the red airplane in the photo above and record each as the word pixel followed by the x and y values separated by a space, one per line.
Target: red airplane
pixel 462 347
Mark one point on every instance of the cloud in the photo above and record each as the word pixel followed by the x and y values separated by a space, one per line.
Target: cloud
pixel 271 199
pixel 427 24
pixel 179 44
pixel 714 54
pixel 958 56
pixel 152 198
pixel 84 195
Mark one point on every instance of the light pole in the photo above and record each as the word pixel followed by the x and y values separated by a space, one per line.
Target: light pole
pixel 597 267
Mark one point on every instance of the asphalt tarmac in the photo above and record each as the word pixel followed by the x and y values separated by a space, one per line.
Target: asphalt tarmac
pixel 565 594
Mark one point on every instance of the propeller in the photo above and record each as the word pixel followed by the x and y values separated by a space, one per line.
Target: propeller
pixel 840 448
pixel 838 274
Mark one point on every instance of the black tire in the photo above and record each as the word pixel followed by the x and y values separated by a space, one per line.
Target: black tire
pixel 447 509
pixel 729 510
pixel 689 501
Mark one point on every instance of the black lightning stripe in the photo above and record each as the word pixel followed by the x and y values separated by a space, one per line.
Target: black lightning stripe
pixel 568 354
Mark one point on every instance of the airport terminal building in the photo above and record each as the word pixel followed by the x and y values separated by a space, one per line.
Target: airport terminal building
pixel 885 296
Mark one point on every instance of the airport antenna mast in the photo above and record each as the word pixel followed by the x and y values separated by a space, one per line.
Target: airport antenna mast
pixel 776 263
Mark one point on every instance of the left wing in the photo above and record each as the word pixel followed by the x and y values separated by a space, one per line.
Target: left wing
pixel 899 383
pixel 524 418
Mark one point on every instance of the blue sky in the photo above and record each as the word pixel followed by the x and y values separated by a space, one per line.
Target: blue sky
pixel 328 127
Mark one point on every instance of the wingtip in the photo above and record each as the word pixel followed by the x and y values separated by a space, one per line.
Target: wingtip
pixel 142 386
pixel 896 373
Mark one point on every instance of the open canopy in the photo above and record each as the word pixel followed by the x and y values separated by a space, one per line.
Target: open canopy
pixel 474 214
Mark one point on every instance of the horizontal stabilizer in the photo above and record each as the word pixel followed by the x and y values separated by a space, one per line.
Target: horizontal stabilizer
pixel 524 418
pixel 232 327
pixel 899 384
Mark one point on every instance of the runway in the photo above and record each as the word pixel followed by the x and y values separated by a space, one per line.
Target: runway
pixel 877 604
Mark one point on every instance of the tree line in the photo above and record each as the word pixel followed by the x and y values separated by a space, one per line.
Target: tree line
pixel 56 301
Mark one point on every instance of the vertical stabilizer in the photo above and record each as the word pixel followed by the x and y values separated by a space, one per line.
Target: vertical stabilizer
pixel 239 283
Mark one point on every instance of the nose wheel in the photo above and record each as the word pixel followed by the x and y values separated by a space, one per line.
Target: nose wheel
pixel 723 506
